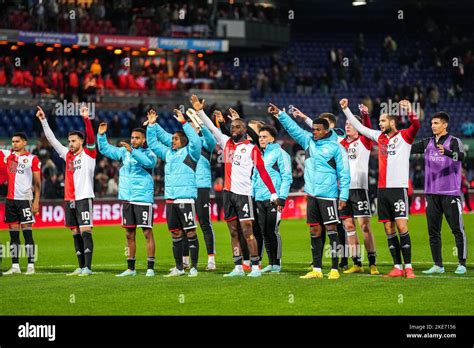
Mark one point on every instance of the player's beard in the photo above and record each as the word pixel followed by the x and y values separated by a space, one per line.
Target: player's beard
pixel 238 138
pixel 387 130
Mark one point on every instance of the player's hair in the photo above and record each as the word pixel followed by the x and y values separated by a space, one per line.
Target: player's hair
pixel 322 121
pixel 270 130
pixel 139 130
pixel 78 133
pixel 391 117
pixel 442 115
pixel 182 136
pixel 241 121
pixel 21 135
pixel 328 116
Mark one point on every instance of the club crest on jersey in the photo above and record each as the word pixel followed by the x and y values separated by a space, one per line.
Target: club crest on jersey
pixel 395 140
pixel 243 150
pixel 25 160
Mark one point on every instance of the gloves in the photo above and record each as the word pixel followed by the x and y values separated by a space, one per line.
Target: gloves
pixel 281 202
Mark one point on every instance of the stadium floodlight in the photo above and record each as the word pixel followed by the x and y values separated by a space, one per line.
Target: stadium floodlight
pixel 359 3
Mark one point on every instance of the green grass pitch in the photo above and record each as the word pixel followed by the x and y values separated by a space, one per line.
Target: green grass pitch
pixel 50 292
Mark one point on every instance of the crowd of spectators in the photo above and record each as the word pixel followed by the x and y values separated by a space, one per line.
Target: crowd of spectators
pixel 136 18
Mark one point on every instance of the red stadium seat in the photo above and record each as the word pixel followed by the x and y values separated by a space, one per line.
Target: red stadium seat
pixel 109 84
pixel 17 79
pixel 122 81
pixel 27 78
pixel 73 80
pixel 3 78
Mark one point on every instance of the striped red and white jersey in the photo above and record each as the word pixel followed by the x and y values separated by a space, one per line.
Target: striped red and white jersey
pixel 79 170
pixel 394 151
pixel 20 170
pixel 358 154
pixel 240 159
pixel 394 158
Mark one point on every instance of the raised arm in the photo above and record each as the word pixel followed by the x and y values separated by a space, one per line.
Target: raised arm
pixel 209 140
pixel 284 163
pixel 364 112
pixel 199 106
pixel 162 135
pixel 301 136
pixel 194 145
pixel 58 147
pixel 158 148
pixel 368 132
pixel 409 134
pixel 146 160
pixel 90 147
pixel 105 148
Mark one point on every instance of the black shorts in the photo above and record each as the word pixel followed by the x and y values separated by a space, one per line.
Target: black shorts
pixel 79 213
pixel 180 216
pixel 237 207
pixel 321 211
pixel 392 204
pixel 18 211
pixel 358 205
pixel 137 215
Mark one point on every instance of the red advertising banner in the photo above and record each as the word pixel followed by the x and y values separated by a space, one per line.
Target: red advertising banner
pixel 108 212
pixel 120 41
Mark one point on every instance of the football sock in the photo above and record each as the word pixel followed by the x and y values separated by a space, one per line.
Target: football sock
pixel 255 260
pixel 356 260
pixel 238 260
pixel 185 245
pixel 334 245
pixel 316 246
pixel 178 252
pixel 405 244
pixel 371 257
pixel 88 248
pixel 131 264
pixel 342 241
pixel 15 245
pixel 150 262
pixel 29 245
pixel 79 247
pixel 194 251
pixel 394 247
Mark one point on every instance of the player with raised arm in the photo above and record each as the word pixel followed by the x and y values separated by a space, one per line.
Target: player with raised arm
pixel 240 158
pixel 278 165
pixel 181 159
pixel 358 206
pixel 338 135
pixel 443 155
pixel 21 205
pixel 394 160
pixel 252 135
pixel 327 179
pixel 78 186
pixel 203 183
pixel 135 192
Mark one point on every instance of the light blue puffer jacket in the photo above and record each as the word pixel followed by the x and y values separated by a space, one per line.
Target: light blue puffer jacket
pixel 136 172
pixel 180 165
pixel 278 165
pixel 325 163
